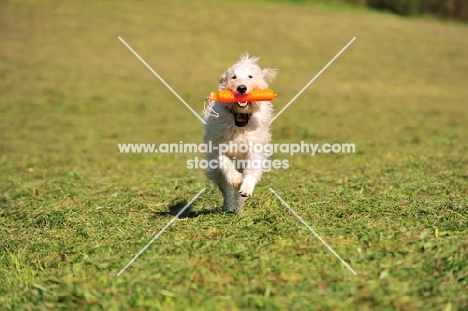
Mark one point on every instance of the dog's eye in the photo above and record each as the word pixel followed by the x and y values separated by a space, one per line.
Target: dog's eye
pixel 250 77
pixel 234 77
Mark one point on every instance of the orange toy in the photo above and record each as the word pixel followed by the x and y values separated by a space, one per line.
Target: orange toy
pixel 254 96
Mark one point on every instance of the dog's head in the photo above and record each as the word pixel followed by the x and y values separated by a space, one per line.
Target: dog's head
pixel 243 77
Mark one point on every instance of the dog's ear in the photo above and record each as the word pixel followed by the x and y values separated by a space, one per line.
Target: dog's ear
pixel 269 74
pixel 222 85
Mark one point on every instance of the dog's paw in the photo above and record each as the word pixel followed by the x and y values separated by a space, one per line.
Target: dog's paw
pixel 245 193
pixel 231 208
pixel 247 186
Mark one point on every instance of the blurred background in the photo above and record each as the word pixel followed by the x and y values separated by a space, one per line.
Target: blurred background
pixel 71 90
pixel 447 9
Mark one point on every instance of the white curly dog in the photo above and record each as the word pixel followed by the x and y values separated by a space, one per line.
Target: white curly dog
pixel 238 124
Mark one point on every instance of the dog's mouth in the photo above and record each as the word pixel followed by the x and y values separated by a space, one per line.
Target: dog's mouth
pixel 241 119
pixel 242 104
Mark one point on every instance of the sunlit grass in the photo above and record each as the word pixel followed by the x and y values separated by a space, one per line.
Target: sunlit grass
pixel 73 211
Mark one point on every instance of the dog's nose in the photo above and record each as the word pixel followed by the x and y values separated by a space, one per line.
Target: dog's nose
pixel 242 89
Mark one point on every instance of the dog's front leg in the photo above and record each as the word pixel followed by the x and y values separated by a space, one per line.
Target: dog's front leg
pixel 231 178
pixel 228 169
pixel 252 175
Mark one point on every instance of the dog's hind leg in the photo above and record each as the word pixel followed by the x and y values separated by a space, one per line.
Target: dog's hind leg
pixel 232 179
pixel 226 189
pixel 239 201
pixel 228 199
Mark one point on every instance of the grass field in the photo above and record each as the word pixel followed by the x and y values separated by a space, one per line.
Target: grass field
pixel 74 211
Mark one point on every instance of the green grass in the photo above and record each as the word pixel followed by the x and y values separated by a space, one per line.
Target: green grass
pixel 73 211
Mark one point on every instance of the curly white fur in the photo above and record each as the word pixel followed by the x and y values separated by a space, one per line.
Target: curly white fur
pixel 238 123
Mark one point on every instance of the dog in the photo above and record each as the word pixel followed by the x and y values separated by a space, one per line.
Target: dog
pixel 236 124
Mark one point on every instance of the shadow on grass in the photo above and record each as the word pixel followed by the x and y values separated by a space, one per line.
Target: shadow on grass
pixel 176 207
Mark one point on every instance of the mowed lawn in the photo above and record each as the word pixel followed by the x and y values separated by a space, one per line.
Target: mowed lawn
pixel 74 211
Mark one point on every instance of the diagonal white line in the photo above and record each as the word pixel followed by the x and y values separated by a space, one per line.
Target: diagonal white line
pixel 160 232
pixel 311 81
pixel 162 80
pixel 313 231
